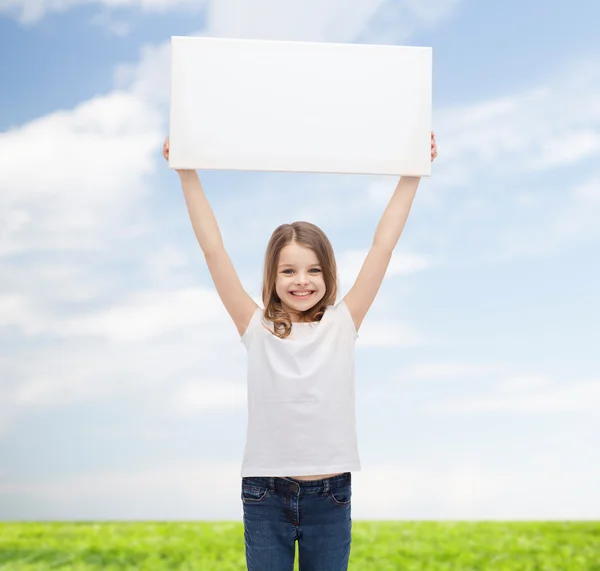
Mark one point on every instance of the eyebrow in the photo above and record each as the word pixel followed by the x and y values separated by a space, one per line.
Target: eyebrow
pixel 293 265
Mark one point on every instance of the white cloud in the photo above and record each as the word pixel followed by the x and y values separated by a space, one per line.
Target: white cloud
pixel 148 78
pixel 377 332
pixel 70 180
pixel 74 186
pixel 393 22
pixel 502 155
pixel 529 395
pixel 522 383
pixel 155 342
pixel 310 20
pixel 367 21
pixel 588 191
pixel 143 316
pixel 363 21
pixel 578 220
pixel 29 12
pixel 402 263
pixel 549 125
pixel 196 491
pixel 193 397
pixel 119 28
pixel 211 491
pixel 432 371
pixel 569 148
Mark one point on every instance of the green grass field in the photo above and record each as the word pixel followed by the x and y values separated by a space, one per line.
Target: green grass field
pixel 380 546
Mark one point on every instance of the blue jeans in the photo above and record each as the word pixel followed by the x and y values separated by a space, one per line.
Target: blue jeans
pixel 279 511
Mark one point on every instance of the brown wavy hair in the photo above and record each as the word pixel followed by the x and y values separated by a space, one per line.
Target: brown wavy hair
pixel 310 236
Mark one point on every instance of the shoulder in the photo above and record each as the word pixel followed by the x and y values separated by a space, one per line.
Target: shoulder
pixel 342 314
pixel 255 322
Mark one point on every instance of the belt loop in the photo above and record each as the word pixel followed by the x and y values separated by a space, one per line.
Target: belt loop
pixel 326 486
pixel 272 483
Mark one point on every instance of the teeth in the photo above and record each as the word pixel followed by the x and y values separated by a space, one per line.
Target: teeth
pixel 302 294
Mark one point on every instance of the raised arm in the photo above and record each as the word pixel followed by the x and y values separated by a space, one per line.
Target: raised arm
pixel 201 214
pixel 236 300
pixel 362 294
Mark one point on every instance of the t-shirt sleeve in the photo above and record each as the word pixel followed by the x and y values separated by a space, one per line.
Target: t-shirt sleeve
pixel 343 314
pixel 255 323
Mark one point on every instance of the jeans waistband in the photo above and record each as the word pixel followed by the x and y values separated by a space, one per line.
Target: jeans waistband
pixel 291 484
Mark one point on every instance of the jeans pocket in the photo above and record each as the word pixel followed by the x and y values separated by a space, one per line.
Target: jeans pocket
pixel 253 494
pixel 341 495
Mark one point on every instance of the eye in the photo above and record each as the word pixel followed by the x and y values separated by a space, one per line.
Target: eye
pixel 313 269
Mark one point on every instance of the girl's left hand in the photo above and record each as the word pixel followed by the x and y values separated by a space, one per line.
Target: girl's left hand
pixel 433 147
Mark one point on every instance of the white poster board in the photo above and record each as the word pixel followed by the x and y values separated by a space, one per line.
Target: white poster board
pixel 300 107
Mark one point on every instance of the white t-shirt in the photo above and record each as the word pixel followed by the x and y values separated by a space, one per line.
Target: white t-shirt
pixel 301 404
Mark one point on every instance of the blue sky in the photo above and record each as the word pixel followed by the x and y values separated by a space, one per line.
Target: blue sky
pixel 122 378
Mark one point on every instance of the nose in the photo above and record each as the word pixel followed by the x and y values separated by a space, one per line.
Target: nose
pixel 301 280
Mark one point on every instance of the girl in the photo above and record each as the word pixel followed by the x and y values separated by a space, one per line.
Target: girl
pixel 301 442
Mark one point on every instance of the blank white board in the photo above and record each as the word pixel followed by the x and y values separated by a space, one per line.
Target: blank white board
pixel 300 107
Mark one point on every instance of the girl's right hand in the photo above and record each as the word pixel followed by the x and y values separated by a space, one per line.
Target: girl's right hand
pixel 166 155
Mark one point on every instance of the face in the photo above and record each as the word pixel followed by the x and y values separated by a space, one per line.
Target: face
pixel 299 271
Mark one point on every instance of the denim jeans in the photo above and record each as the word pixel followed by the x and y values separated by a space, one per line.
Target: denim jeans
pixel 279 511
